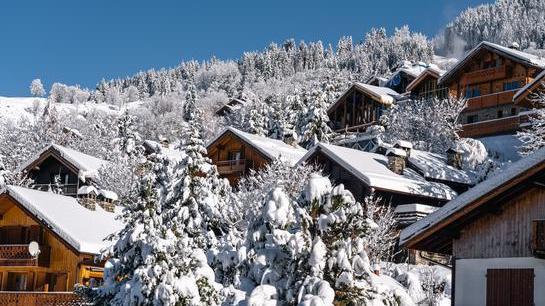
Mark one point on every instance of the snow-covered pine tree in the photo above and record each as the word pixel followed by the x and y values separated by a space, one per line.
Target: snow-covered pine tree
pixel 128 139
pixel 37 88
pixel 316 128
pixel 341 230
pixel 533 135
pixel 190 110
pixel 142 267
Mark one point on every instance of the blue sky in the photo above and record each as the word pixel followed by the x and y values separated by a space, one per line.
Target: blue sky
pixel 81 42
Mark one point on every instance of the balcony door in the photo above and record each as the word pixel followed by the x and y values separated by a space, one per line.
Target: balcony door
pixel 235 155
pixel 19 281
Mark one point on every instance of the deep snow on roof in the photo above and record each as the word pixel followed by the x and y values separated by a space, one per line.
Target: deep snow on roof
pixel 473 194
pixel 271 148
pixel 87 165
pixel 435 166
pixel 82 228
pixel 372 169
pixel 384 95
pixel 529 59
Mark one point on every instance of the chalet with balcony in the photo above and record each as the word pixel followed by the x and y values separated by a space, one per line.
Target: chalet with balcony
pixel 488 77
pixel 233 104
pixel 360 106
pixel 387 175
pixel 69 232
pixel 235 152
pixel 63 168
pixel 496 235
pixel 425 85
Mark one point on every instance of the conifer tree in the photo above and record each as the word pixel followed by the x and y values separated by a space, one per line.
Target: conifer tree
pixel 316 128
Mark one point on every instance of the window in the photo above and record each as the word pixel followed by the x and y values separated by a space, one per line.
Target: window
pixel 511 85
pixel 472 92
pixel 472 118
pixel 235 155
pixel 513 111
pixel 500 114
pixel 17 281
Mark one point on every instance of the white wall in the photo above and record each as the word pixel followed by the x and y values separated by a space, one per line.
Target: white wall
pixel 471 277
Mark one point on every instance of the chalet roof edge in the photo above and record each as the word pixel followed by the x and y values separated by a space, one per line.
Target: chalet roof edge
pixel 474 194
pixel 521 56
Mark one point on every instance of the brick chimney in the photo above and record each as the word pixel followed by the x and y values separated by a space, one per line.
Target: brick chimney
pixel 87 197
pixel 396 160
pixel 454 158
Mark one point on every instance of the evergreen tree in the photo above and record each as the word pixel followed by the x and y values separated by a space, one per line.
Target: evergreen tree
pixel 190 111
pixel 128 137
pixel 316 128
pixel 37 88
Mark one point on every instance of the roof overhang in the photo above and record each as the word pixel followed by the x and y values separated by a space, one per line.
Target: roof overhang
pixel 450 74
pixel 524 96
pixel 50 152
pixel 430 72
pixel 438 236
pixel 377 98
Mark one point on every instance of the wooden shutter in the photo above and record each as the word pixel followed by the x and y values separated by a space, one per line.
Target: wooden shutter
pixel 35 234
pixel 507 287
pixel 538 238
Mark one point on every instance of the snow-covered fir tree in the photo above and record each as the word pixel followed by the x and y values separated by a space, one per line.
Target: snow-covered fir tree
pixel 37 88
pixel 128 139
pixel 316 128
pixel 190 106
pixel 533 135
pixel 142 266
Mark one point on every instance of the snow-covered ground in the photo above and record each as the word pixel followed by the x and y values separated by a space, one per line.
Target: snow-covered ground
pixel 502 147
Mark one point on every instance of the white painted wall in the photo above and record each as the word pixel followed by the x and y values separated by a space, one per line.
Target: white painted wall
pixel 471 277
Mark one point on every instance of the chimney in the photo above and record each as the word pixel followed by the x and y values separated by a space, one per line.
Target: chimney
pixel 514 45
pixel 396 160
pixel 87 197
pixel 107 199
pixel 454 158
pixel 405 146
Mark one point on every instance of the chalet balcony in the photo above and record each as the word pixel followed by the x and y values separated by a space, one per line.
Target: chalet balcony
pixel 491 100
pixel 13 298
pixel 17 255
pixel 484 75
pixel 231 166
pixel 67 189
pixel 491 127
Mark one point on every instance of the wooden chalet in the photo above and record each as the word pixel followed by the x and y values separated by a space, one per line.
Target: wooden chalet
pixel 488 77
pixel 62 167
pixel 525 96
pixel 233 104
pixel 386 175
pixel 70 235
pixel 425 85
pixel 495 233
pixel 235 152
pixel 360 106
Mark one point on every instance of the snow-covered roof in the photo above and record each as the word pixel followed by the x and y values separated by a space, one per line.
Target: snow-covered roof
pixel 270 148
pixel 396 152
pixel 383 95
pixel 404 144
pixel 538 79
pixel 488 186
pixel 520 56
pixel 108 194
pixel 432 71
pixel 87 165
pixel 82 228
pixel 372 169
pixel 85 190
pixel 411 208
pixel 435 166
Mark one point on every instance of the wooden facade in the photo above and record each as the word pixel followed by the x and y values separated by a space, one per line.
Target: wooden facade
pixel 426 86
pixel 58 267
pixel 488 78
pixel 355 110
pixel 493 238
pixel 234 157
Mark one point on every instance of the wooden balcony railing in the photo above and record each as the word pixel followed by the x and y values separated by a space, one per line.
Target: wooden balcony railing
pixel 18 255
pixel 11 298
pixel 484 75
pixel 231 166
pixel 490 127
pixel 490 100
